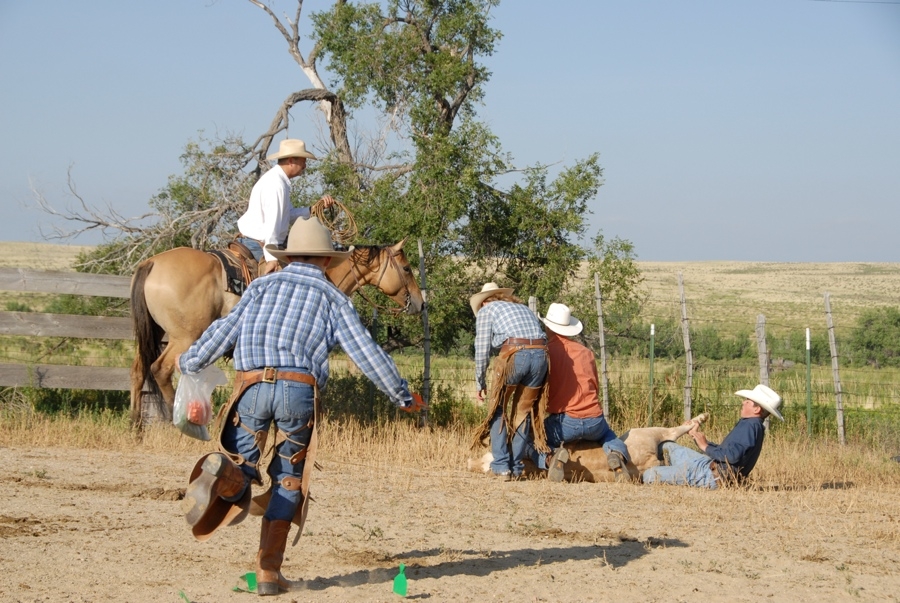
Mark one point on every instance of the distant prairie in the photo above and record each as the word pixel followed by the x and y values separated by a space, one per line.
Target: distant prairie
pixel 40 256
pixel 786 293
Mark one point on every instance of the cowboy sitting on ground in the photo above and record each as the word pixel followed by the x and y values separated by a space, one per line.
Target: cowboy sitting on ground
pixel 518 397
pixel 575 413
pixel 281 332
pixel 726 463
pixel 270 212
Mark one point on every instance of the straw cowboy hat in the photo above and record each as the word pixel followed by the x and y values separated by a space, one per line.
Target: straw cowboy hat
pixel 291 147
pixel 764 396
pixel 487 290
pixel 559 319
pixel 309 237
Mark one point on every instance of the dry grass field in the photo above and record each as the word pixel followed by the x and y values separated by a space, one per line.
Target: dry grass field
pixel 40 256
pixel 36 256
pixel 788 294
pixel 728 292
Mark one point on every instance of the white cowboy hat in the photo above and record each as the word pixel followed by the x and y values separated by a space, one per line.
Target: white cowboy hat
pixel 764 396
pixel 487 290
pixel 291 147
pixel 309 237
pixel 559 319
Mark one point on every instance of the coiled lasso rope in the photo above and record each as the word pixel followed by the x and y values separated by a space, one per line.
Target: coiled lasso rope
pixel 340 215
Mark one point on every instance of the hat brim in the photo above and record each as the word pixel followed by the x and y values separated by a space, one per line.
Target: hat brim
pixel 749 394
pixel 337 257
pixel 570 330
pixel 305 154
pixel 476 300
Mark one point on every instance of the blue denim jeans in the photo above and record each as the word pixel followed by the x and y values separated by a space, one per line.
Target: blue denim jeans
pixel 529 370
pixel 254 247
pixel 563 428
pixel 290 404
pixel 686 468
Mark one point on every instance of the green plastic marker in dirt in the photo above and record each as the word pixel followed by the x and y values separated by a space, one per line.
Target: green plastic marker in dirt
pixel 400 582
pixel 250 579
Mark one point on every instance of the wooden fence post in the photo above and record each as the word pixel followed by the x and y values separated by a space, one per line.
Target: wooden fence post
pixel 426 338
pixel 762 354
pixel 761 351
pixel 688 354
pixel 652 353
pixel 808 387
pixel 604 376
pixel 839 404
pixel 532 305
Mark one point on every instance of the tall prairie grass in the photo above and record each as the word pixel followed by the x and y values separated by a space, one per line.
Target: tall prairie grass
pixel 789 460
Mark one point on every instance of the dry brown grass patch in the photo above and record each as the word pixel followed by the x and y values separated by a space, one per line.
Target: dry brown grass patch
pixel 786 293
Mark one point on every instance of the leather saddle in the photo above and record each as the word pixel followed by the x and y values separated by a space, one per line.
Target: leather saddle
pixel 239 264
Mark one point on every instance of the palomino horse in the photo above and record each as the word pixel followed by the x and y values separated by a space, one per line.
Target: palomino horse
pixel 182 291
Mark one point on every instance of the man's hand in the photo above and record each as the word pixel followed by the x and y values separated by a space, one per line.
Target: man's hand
pixel 327 201
pixel 699 438
pixel 418 404
pixel 479 395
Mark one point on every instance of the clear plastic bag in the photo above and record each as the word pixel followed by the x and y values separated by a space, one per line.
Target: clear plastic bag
pixel 193 401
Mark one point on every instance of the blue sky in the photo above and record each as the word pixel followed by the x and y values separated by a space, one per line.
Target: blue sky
pixel 765 130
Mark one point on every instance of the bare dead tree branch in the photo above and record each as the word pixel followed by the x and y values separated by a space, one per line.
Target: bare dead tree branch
pixel 331 105
pixel 89 218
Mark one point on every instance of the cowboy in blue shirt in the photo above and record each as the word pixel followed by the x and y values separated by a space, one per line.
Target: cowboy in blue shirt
pixel 728 462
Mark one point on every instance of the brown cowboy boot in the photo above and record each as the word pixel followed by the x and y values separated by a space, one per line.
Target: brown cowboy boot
pixel 617 464
pixel 219 477
pixel 267 267
pixel 272 541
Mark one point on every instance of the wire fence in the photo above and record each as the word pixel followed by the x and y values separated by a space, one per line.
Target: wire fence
pixel 641 393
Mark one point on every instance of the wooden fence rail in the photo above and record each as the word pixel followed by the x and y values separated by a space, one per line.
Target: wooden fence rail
pixel 37 324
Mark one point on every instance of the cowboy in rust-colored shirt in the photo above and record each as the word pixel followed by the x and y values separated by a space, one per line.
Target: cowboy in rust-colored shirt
pixel 574 411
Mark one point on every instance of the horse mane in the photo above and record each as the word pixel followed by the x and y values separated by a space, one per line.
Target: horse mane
pixel 366 254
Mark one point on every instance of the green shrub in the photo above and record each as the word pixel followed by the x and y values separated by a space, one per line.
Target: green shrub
pixel 876 338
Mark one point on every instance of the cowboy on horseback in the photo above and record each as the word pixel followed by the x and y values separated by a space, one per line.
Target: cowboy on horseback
pixel 282 331
pixel 270 213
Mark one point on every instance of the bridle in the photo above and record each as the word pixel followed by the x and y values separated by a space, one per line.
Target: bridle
pixel 392 261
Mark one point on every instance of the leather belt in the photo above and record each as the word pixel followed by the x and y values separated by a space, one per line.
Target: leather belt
pixel 521 341
pixel 271 375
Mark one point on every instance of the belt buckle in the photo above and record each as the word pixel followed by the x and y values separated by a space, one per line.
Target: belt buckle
pixel 269 374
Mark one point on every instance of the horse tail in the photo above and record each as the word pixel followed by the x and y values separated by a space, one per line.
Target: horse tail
pixel 147 334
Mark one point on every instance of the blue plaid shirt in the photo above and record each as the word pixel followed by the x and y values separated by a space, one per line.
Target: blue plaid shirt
pixel 292 319
pixel 495 323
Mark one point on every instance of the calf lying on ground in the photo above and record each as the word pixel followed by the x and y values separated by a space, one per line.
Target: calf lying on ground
pixel 587 461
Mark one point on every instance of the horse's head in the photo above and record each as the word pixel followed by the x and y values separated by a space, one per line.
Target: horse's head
pixel 397 279
pixel 385 268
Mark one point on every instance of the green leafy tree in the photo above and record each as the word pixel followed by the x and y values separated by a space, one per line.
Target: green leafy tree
pixel 876 338
pixel 424 167
pixel 614 263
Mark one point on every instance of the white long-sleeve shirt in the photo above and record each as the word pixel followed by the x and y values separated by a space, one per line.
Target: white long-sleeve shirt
pixel 269 213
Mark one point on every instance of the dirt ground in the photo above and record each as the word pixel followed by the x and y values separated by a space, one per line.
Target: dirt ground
pixel 91 526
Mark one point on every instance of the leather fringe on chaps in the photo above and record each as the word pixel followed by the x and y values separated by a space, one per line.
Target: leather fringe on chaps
pixel 518 402
pixel 257 505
